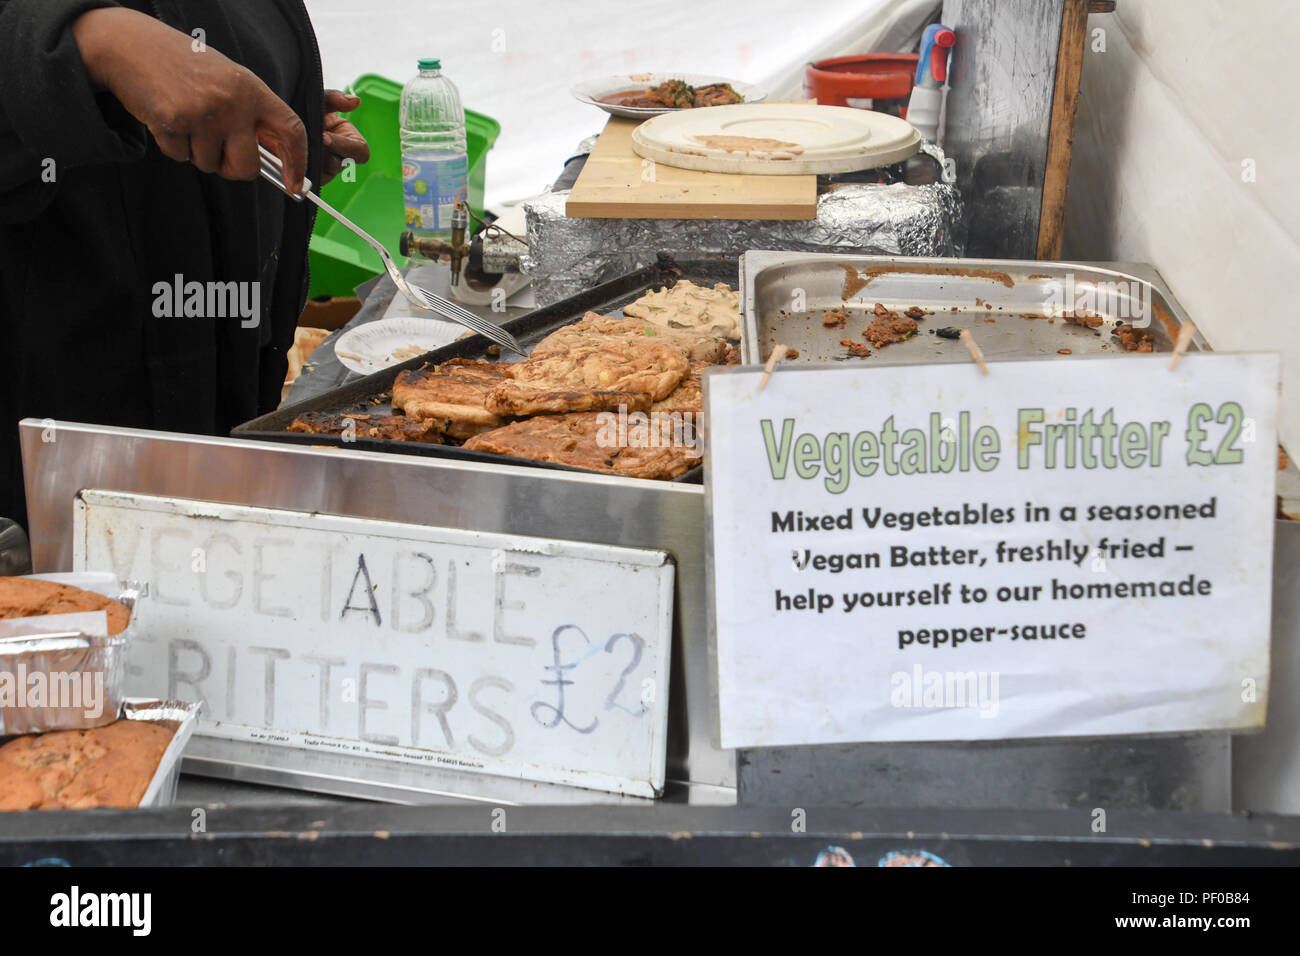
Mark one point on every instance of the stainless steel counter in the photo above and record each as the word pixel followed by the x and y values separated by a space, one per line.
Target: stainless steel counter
pixel 63 459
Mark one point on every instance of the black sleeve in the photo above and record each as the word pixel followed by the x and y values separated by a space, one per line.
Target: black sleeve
pixel 48 108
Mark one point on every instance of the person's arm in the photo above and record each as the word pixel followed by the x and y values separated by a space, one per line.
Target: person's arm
pixel 198 105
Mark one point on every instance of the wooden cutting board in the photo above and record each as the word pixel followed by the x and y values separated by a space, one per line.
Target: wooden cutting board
pixel 616 183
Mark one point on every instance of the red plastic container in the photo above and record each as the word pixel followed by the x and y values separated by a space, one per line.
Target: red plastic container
pixel 875 81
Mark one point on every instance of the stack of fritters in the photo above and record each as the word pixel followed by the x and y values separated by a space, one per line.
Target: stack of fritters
pixel 700 347
pixel 455 392
pixel 619 395
pixel 602 375
pixel 566 391
pixel 686 398
pixel 645 446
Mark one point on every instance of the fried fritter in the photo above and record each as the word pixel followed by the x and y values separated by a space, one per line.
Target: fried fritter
pixel 635 446
pixel 605 374
pixel 690 307
pixel 686 397
pixel 455 392
pixel 701 347
pixel 389 427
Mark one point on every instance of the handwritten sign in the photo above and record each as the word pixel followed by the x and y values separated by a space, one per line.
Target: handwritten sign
pixel 524 657
pixel 1064 548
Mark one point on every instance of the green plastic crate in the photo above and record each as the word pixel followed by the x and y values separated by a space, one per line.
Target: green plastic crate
pixel 340 261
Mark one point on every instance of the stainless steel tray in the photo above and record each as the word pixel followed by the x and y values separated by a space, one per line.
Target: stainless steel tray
pixel 1014 308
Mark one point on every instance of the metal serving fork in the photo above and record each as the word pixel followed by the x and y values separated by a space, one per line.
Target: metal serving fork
pixel 273 172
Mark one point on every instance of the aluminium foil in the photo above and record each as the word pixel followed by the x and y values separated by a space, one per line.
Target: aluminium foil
pixel 568 255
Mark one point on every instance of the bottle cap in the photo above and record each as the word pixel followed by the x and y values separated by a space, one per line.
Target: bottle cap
pixel 431 64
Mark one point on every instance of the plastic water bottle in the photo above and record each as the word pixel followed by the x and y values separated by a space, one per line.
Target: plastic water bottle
pixel 434 159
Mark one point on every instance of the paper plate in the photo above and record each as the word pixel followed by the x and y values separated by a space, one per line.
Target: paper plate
pixel 376 345
pixel 776 139
pixel 591 91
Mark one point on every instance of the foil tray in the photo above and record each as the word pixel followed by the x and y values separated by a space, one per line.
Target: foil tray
pixel 177 716
pixel 62 660
pixel 180 718
pixel 54 648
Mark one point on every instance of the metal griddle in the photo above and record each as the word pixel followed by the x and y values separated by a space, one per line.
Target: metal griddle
pixel 1008 305
pixel 371 394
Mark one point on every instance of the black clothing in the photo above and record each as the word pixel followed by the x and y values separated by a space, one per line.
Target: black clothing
pixel 80 257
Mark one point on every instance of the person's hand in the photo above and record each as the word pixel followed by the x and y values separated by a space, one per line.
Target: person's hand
pixel 199 106
pixel 343 141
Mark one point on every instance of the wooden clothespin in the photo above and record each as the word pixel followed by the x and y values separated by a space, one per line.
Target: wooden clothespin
pixel 778 353
pixel 1184 339
pixel 974 350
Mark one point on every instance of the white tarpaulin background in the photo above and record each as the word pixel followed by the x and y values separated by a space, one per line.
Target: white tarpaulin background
pixel 516 60
pixel 1184 157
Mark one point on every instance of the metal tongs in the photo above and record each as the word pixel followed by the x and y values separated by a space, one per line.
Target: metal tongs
pixel 273 172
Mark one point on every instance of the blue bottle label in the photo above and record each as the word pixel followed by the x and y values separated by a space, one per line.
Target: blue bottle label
pixel 431 187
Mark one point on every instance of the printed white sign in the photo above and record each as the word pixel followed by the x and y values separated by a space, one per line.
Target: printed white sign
pixel 525 657
pixel 1059 548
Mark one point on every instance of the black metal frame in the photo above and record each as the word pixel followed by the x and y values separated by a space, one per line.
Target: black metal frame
pixel 368 834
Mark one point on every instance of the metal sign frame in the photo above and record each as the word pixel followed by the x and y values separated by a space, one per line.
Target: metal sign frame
pixel 595 585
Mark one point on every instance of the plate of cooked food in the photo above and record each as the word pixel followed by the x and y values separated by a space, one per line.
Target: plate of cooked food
pixel 642 95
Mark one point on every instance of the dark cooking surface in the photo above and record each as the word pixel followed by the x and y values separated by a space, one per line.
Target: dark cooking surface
pixel 370 395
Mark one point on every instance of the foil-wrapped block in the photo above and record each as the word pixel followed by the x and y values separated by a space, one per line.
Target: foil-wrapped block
pixel 63 671
pixel 568 255
pixel 59 681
